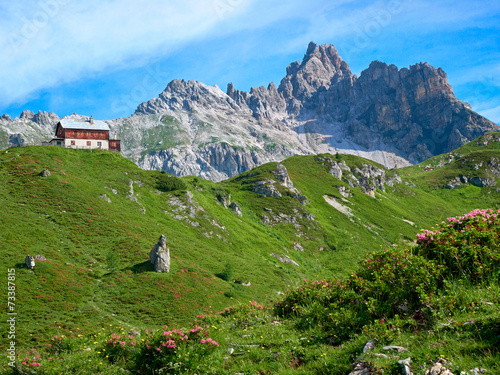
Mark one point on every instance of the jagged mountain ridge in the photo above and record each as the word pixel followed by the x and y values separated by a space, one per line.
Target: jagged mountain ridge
pixel 393 116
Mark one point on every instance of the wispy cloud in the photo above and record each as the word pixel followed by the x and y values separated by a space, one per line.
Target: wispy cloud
pixel 49 42
pixel 493 114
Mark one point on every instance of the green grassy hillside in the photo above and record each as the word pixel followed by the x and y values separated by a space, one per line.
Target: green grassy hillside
pixel 97 216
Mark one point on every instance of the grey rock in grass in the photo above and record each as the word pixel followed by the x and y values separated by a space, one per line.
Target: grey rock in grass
pixel 399 349
pixel 301 198
pixel 104 197
pixel 285 259
pixel 474 371
pixel 438 369
pixel 236 209
pixel 344 191
pixel 266 189
pixel 225 199
pixel 336 171
pixel 452 184
pixel 41 258
pixel 29 261
pixel 45 173
pixel 282 176
pixel 405 364
pixel 361 368
pixel 265 220
pixel 482 182
pixel 160 255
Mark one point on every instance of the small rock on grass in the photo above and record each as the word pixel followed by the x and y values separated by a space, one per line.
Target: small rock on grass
pixel 399 349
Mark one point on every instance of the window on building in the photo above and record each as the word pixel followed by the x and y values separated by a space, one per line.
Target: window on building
pixel 58 143
pixel 99 144
pixel 88 143
pixel 72 143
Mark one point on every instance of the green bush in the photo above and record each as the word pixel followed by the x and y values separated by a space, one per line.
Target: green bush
pixel 227 273
pixel 166 182
pixel 112 262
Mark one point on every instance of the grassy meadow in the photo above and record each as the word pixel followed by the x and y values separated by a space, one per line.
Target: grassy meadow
pixel 97 216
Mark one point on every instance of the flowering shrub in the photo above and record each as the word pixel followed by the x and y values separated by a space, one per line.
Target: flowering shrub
pixel 389 283
pixel 176 349
pixel 397 282
pixel 467 245
pixel 31 364
pixel 121 347
pixel 61 344
pixel 401 281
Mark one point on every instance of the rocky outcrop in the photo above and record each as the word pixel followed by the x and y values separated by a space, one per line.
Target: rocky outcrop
pixel 335 170
pixel 160 255
pixel 224 199
pixel 236 209
pixel 438 369
pixel 361 368
pixel 482 182
pixel 282 176
pixel 456 182
pixel 285 259
pixel 266 188
pixel 344 192
pixel 405 366
pixel 104 197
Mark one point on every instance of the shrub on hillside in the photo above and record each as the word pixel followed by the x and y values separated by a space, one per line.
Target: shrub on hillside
pixel 401 282
pixel 467 245
pixel 166 183
pixel 177 350
pixel 227 273
pixel 389 283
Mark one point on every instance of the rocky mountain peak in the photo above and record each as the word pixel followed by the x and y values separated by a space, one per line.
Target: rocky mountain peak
pixel 41 118
pixel 186 95
pixel 46 118
pixel 26 115
pixel 320 68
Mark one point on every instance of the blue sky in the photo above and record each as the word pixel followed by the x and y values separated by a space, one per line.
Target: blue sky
pixel 104 57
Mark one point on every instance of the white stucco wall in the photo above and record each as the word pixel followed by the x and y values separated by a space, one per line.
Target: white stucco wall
pixel 82 143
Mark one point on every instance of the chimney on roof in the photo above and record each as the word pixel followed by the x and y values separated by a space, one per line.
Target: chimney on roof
pixel 91 120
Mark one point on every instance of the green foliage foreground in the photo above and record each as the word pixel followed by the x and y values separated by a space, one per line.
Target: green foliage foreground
pixel 437 299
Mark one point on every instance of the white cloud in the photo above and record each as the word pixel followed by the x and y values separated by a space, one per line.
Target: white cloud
pixel 49 42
